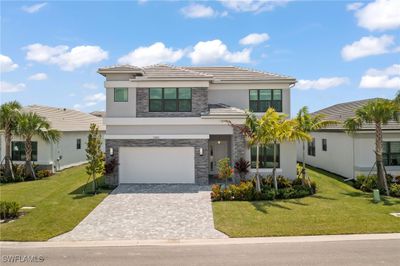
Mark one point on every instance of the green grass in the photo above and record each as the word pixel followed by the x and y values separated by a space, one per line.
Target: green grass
pixel 60 205
pixel 337 208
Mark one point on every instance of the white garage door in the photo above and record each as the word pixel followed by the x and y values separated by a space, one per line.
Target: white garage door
pixel 156 165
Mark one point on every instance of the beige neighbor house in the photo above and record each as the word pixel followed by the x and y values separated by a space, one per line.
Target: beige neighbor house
pixel 350 155
pixel 69 151
pixel 167 124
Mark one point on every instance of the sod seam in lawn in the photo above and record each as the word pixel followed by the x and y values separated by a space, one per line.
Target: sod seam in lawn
pixel 337 208
pixel 60 206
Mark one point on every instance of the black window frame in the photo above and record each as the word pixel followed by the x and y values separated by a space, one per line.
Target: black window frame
pixel 177 101
pixel 324 144
pixel 264 157
pixel 269 103
pixel 127 95
pixel 20 154
pixel 78 144
pixel 311 148
pixel 390 157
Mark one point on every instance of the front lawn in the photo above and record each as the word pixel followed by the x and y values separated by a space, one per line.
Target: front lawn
pixel 337 208
pixel 60 206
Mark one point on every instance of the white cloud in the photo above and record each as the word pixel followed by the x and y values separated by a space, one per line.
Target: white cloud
pixel 38 76
pixel 367 46
pixel 9 87
pixel 254 39
pixel 90 86
pixel 379 15
pixel 66 59
pixel 321 83
pixel 354 6
pixel 33 8
pixel 388 78
pixel 98 97
pixel 153 54
pixel 215 51
pixel 7 64
pixel 255 6
pixel 198 11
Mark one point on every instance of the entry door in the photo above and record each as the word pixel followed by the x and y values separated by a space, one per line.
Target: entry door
pixel 218 149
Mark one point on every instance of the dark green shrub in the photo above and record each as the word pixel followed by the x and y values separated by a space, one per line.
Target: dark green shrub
pixel 394 190
pixel 369 183
pixel 43 173
pixel 8 209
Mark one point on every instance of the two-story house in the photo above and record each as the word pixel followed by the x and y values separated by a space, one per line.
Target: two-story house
pixel 167 124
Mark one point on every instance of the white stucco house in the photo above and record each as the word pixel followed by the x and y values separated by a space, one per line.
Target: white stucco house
pixel 167 124
pixel 69 151
pixel 350 155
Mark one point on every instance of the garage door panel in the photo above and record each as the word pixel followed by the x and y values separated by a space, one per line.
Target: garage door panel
pixel 156 165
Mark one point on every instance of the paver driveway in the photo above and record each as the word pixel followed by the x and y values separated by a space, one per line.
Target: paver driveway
pixel 149 212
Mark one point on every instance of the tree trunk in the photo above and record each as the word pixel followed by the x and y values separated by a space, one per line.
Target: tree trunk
pixel 258 186
pixel 28 158
pixel 7 157
pixel 274 169
pixel 303 169
pixel 379 158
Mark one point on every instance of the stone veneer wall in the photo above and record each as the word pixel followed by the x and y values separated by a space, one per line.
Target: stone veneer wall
pixel 199 104
pixel 238 145
pixel 200 162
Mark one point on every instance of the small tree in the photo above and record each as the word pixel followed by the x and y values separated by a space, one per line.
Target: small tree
pixel 94 155
pixel 225 170
pixel 242 168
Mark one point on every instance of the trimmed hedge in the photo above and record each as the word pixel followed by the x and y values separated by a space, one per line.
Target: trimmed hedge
pixel 369 183
pixel 246 190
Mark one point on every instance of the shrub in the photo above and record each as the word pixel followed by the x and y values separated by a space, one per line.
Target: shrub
pixel 225 170
pixel 242 168
pixel 243 191
pixel 216 192
pixel 109 166
pixel 43 173
pixel 369 183
pixel 8 209
pixel 394 190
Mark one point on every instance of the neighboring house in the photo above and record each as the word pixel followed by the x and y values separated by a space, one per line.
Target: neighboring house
pixel 98 113
pixel 167 124
pixel 69 151
pixel 351 154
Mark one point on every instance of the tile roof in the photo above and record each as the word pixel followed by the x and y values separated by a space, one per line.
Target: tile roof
pixel 223 111
pixel 64 119
pixel 214 73
pixel 343 111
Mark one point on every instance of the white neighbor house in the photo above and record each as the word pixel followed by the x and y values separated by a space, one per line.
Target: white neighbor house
pixel 69 151
pixel 350 155
pixel 167 124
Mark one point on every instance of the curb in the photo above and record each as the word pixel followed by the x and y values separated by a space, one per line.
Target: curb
pixel 200 242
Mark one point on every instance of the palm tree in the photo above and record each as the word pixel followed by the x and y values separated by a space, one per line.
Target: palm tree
pixel 8 115
pixel 253 132
pixel 308 123
pixel 278 129
pixel 28 125
pixel 379 112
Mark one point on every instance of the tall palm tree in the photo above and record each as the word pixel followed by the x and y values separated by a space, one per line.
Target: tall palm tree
pixel 278 129
pixel 8 117
pixel 309 123
pixel 253 131
pixel 31 124
pixel 379 112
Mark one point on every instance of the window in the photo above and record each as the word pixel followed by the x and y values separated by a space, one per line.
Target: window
pixel 120 94
pixel 324 145
pixel 266 156
pixel 391 153
pixel 170 100
pixel 311 148
pixel 78 144
pixel 261 100
pixel 18 151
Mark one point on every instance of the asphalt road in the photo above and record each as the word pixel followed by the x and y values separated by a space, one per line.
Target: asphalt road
pixel 359 252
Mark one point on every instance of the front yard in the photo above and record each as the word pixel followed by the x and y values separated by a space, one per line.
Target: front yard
pixel 337 208
pixel 60 205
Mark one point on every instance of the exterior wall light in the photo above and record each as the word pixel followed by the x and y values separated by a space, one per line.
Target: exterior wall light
pixel 111 152
pixel 201 151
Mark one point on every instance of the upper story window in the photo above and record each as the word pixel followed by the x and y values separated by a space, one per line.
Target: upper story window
pixel 261 100
pixel 391 153
pixel 324 144
pixel 311 148
pixel 18 151
pixel 170 100
pixel 266 156
pixel 120 94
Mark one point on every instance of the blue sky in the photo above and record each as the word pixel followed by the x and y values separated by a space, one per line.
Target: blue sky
pixel 339 51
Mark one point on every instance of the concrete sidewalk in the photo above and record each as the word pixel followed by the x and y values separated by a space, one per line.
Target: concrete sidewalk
pixel 202 242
